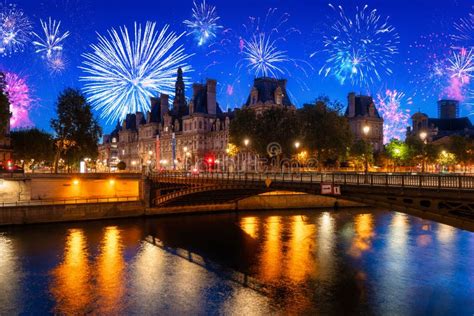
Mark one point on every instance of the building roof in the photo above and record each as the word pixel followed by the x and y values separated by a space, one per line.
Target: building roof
pixel 266 90
pixel 155 111
pixel 362 105
pixel 200 100
pixel 452 124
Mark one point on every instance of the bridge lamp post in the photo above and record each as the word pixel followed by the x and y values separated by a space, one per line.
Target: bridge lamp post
pixel 366 131
pixel 297 146
pixel 185 149
pixel 246 143
pixel 423 136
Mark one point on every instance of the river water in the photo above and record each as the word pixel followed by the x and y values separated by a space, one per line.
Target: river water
pixel 299 262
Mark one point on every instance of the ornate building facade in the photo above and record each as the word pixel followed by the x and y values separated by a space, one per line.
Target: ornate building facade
pixel 364 120
pixel 185 135
pixel 174 138
pixel 438 130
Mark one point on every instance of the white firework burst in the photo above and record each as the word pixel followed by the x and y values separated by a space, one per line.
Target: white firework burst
pixel 204 23
pixel 462 65
pixel 263 57
pixel 122 73
pixel 15 29
pixel 52 41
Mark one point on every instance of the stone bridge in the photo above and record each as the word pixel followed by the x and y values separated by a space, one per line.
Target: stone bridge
pixel 443 195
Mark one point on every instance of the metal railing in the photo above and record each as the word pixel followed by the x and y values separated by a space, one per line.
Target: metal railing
pixel 433 181
pixel 71 201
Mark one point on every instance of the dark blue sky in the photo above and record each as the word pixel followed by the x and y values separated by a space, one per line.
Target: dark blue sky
pixel 412 19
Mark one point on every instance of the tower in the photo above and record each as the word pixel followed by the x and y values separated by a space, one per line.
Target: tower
pixel 448 109
pixel 179 103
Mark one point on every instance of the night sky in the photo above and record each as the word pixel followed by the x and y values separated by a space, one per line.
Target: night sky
pixel 425 30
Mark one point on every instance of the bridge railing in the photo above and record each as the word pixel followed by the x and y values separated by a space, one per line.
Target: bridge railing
pixel 371 179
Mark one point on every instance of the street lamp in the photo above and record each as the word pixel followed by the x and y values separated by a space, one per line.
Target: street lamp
pixel 423 136
pixel 366 129
pixel 186 154
pixel 297 145
pixel 246 143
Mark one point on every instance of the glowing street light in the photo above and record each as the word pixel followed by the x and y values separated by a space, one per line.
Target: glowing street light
pixel 297 145
pixel 246 142
pixel 423 135
pixel 366 130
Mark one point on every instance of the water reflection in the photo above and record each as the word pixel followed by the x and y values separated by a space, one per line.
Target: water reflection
pixel 250 225
pixel 10 277
pixel 71 286
pixel 364 232
pixel 110 270
pixel 298 258
pixel 326 240
pixel 270 265
pixel 306 262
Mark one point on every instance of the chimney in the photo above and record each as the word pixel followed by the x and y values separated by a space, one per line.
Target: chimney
pixel 351 104
pixel 196 88
pixel 164 105
pixel 138 119
pixel 211 96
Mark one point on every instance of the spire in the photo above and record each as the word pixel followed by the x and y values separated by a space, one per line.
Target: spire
pixel 179 103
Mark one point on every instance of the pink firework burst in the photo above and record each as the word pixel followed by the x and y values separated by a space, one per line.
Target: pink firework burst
pixel 395 117
pixel 19 95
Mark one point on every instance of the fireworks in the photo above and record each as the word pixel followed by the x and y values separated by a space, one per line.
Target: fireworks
pixel 52 42
pixel 359 49
pixel 263 57
pixel 203 24
pixel 20 99
pixel 395 118
pixel 123 72
pixel 261 46
pixel 428 65
pixel 15 29
pixel 464 32
pixel 462 65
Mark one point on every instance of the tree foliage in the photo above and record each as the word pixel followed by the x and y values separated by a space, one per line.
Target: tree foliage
pixel 274 125
pixel 4 105
pixel 33 147
pixel 77 132
pixel 462 148
pixel 320 129
pixel 325 132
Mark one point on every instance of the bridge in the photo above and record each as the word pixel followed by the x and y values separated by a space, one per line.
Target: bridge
pixel 444 195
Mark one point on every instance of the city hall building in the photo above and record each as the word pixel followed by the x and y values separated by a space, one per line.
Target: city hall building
pixel 187 133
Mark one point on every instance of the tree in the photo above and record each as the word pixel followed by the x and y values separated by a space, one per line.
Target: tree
pixel 398 152
pixel 462 148
pixel 77 132
pixel 275 125
pixel 121 165
pixel 420 152
pixel 446 159
pixel 362 152
pixel 325 132
pixel 5 113
pixel 242 126
pixel 33 147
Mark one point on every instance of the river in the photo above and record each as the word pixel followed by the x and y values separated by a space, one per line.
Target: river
pixel 299 262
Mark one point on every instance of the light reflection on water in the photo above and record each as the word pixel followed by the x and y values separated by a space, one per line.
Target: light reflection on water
pixel 309 262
